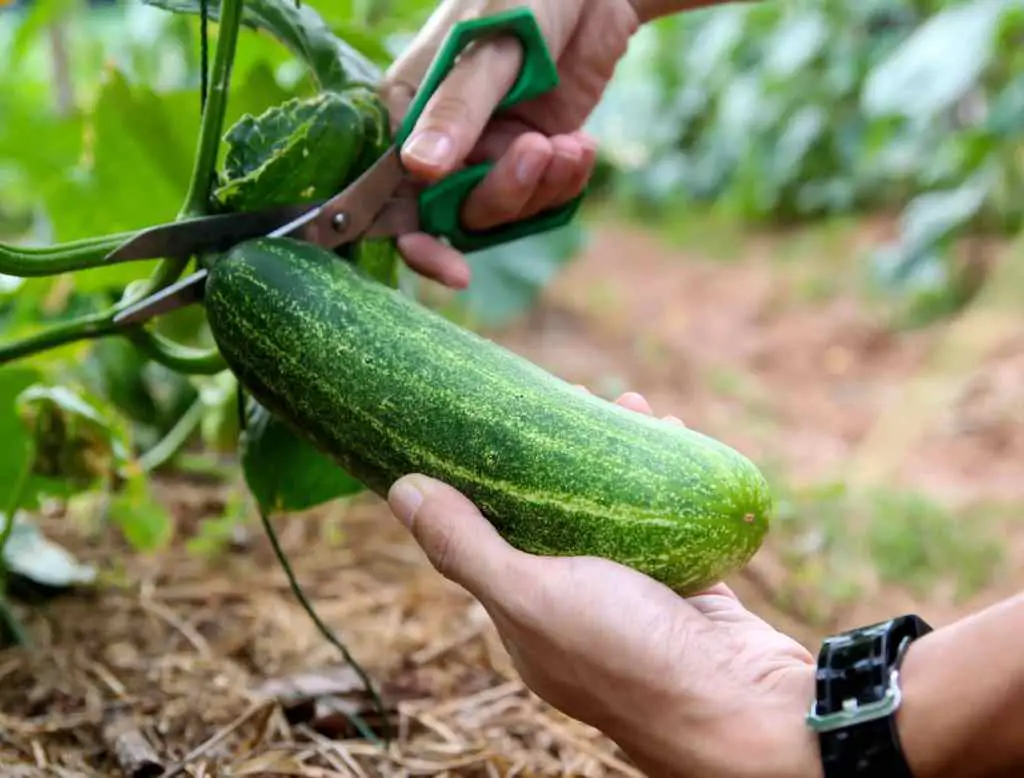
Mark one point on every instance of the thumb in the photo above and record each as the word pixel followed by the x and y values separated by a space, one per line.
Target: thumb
pixel 457 539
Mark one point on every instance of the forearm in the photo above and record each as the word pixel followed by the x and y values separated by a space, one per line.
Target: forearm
pixel 963 697
pixel 648 10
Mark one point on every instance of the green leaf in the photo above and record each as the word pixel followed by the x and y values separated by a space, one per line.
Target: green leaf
pixel 43 13
pixel 712 51
pixel 278 157
pixel 142 142
pixel 76 444
pixel 335 63
pixel 934 216
pixel 143 520
pixel 1006 118
pixel 365 41
pixel 14 452
pixel 795 142
pixel 114 370
pixel 916 264
pixel 255 90
pixel 508 279
pixel 30 555
pixel 38 147
pixel 922 78
pixel 285 472
pixel 796 42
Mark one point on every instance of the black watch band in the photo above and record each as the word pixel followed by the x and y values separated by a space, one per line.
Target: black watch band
pixel 857 696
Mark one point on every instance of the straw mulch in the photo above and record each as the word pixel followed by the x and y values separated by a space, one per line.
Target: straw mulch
pixel 185 665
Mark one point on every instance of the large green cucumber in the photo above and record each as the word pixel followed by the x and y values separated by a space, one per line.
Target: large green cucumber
pixel 388 387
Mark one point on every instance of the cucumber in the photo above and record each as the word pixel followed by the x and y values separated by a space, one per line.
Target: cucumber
pixel 388 387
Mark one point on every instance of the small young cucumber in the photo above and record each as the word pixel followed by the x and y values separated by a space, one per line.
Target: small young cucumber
pixel 388 387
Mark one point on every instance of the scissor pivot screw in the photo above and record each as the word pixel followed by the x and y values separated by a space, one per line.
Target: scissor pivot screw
pixel 340 222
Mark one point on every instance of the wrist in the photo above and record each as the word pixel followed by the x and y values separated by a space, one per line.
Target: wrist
pixel 756 738
pixel 649 10
pixel 924 753
pixel 961 715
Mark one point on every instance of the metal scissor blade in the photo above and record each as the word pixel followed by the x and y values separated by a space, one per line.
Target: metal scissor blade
pixel 352 212
pixel 206 233
pixel 331 223
pixel 187 291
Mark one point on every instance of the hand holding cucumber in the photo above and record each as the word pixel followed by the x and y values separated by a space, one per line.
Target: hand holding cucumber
pixel 681 684
pixel 701 687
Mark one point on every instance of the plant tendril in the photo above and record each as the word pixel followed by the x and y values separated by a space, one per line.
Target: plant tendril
pixel 175 356
pixel 174 440
pixel 328 635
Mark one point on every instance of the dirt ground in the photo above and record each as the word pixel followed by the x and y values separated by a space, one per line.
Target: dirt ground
pixel 207 666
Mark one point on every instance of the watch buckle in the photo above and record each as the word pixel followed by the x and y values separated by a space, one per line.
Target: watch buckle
pixel 853 712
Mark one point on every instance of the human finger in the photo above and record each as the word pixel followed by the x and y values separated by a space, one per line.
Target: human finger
pixel 455 116
pixel 584 169
pixel 635 402
pixel 509 186
pixel 561 172
pixel 457 539
pixel 435 260
pixel 514 189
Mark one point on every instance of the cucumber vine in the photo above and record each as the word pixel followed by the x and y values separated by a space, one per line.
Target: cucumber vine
pixel 90 253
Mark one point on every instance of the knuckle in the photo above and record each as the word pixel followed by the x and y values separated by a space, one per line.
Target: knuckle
pixel 447 108
pixel 487 209
pixel 445 548
pixel 528 593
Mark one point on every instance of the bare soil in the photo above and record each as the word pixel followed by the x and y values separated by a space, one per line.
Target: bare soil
pixel 198 665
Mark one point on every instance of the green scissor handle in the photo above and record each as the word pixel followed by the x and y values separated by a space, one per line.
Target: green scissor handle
pixel 441 204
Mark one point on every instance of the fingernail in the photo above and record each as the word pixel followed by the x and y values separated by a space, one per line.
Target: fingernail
pixel 405 499
pixel 530 168
pixel 430 147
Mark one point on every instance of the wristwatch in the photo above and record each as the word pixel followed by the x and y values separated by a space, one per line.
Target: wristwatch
pixel 856 698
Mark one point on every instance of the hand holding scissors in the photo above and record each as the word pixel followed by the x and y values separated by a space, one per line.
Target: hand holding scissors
pixel 385 200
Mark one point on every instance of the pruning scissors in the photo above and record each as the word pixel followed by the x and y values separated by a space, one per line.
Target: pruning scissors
pixel 381 202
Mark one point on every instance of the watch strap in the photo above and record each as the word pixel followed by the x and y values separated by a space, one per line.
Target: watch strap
pixel 857 696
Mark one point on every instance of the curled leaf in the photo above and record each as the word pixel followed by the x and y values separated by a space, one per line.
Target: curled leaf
pixel 73 441
pixel 279 156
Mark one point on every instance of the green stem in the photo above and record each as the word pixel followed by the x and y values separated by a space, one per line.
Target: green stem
pixel 12 509
pixel 173 441
pixel 94 325
pixel 212 126
pixel 211 129
pixel 34 261
pixel 84 254
pixel 179 358
pixel 329 636
pixel 10 626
